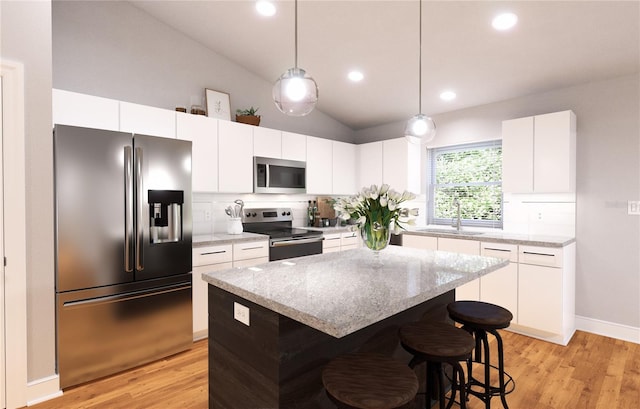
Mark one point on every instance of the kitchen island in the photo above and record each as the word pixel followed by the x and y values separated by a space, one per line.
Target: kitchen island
pixel 274 326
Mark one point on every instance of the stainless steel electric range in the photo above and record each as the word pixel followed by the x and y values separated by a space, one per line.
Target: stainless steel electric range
pixel 285 241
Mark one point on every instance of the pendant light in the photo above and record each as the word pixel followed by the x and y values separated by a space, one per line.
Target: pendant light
pixel 420 129
pixel 295 93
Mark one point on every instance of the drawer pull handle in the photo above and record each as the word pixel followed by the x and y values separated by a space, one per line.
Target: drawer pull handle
pixel 332 238
pixel 492 249
pixel 213 252
pixel 252 248
pixel 538 254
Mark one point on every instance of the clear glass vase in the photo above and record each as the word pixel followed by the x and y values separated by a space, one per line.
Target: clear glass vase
pixel 375 236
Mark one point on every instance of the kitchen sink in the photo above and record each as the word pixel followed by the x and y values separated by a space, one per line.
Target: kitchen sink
pixel 456 232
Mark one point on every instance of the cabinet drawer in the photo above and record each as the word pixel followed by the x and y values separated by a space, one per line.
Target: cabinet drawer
pixel 540 256
pixel 252 249
pixel 500 250
pixel 250 262
pixel 212 255
pixel 331 240
pixel 349 239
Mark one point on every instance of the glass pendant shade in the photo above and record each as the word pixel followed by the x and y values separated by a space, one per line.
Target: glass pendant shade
pixel 295 93
pixel 420 129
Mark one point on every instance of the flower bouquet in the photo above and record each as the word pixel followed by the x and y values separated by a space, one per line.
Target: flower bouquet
pixel 377 213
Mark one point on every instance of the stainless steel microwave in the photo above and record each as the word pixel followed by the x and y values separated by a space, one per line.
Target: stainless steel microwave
pixel 271 175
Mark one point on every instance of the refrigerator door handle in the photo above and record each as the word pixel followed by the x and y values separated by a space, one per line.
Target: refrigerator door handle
pixel 128 211
pixel 126 296
pixel 139 221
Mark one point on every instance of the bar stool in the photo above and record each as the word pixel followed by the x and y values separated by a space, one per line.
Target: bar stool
pixel 479 319
pixel 369 381
pixel 438 343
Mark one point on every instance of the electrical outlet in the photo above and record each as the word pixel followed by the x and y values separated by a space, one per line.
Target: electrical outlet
pixel 633 207
pixel 241 313
pixel 207 215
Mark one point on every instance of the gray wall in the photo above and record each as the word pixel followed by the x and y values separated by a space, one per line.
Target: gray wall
pixel 608 175
pixel 26 37
pixel 114 50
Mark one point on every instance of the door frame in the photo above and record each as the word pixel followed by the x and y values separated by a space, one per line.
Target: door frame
pixel 14 219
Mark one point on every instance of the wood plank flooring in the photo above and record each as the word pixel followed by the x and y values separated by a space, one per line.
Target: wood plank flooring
pixel 592 372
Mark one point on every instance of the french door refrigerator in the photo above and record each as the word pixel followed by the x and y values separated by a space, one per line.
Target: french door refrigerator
pixel 123 250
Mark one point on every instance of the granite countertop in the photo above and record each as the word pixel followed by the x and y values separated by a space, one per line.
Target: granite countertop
pixel 496 236
pixel 341 293
pixel 224 238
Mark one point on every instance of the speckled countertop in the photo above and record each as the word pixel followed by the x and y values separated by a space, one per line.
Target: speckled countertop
pixel 496 237
pixel 224 238
pixel 340 293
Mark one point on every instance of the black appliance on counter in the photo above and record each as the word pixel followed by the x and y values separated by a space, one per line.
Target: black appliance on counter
pixel 285 241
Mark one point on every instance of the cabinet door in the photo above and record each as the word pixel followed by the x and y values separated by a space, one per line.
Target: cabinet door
pixel 294 146
pixel 369 163
pixel 267 142
pixel 235 157
pixel 540 297
pixel 146 120
pixel 501 287
pixel 319 165
pixel 554 153
pixel 203 133
pixel 470 290
pixel 331 243
pixel 344 168
pixel 420 242
pixel 350 240
pixel 250 250
pixel 401 165
pixel 72 108
pixel 517 155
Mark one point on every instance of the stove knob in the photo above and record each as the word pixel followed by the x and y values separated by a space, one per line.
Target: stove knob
pixel 254 214
pixel 288 213
pixel 284 214
pixel 248 214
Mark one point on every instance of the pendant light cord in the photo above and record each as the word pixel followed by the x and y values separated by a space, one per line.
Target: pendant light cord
pixel 295 65
pixel 419 63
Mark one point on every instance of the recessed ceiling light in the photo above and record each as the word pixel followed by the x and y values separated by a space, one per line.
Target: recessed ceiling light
pixel 504 21
pixel 448 96
pixel 355 76
pixel 265 8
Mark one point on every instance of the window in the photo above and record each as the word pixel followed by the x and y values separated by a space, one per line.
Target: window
pixel 470 174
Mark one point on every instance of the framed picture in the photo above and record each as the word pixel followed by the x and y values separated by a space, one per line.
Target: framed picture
pixel 218 105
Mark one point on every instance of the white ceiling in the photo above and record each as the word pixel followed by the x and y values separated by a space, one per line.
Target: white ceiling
pixel 555 44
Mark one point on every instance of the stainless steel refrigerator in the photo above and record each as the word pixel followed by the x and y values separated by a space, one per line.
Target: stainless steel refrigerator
pixel 123 250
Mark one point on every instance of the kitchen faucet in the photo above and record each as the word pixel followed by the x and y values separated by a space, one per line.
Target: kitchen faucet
pixel 456 203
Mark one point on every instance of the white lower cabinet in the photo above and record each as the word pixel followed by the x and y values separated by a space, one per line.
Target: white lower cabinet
pixel 206 259
pixel 470 290
pixel 350 240
pixel 420 242
pixel 247 254
pixel 331 243
pixel 334 242
pixel 501 286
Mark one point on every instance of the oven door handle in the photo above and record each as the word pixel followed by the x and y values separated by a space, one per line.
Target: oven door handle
pixel 293 242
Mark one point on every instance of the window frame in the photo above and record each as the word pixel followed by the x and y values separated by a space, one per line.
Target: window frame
pixel 431 185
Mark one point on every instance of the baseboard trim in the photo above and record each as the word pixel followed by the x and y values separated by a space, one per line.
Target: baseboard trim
pixel 608 329
pixel 43 389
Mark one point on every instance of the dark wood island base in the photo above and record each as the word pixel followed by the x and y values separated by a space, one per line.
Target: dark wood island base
pixel 277 362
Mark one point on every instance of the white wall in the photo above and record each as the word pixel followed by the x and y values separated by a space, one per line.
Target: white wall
pixel 608 175
pixel 26 37
pixel 114 50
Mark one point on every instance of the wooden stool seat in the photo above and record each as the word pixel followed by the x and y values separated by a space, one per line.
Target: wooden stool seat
pixel 437 341
pixel 369 381
pixel 480 314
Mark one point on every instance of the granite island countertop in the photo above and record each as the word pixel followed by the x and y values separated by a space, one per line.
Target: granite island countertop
pixel 341 293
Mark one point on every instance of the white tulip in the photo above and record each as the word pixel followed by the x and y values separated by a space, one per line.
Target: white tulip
pixel 383 201
pixel 345 216
pixel 361 220
pixel 411 222
pixel 392 205
pixel 384 188
pixel 414 212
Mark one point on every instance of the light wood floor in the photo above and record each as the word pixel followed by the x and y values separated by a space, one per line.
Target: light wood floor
pixel 592 372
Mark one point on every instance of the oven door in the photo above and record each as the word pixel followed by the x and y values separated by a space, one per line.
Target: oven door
pixel 290 248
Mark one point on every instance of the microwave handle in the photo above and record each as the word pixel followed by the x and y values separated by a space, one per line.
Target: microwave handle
pixel 267 166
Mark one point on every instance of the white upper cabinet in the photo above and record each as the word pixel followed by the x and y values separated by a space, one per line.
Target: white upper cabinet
pixel 319 165
pixel 235 157
pixel 72 108
pixel 401 165
pixel 369 164
pixel 539 154
pixel 267 142
pixel 146 120
pixel 344 168
pixel 203 133
pixel 294 146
